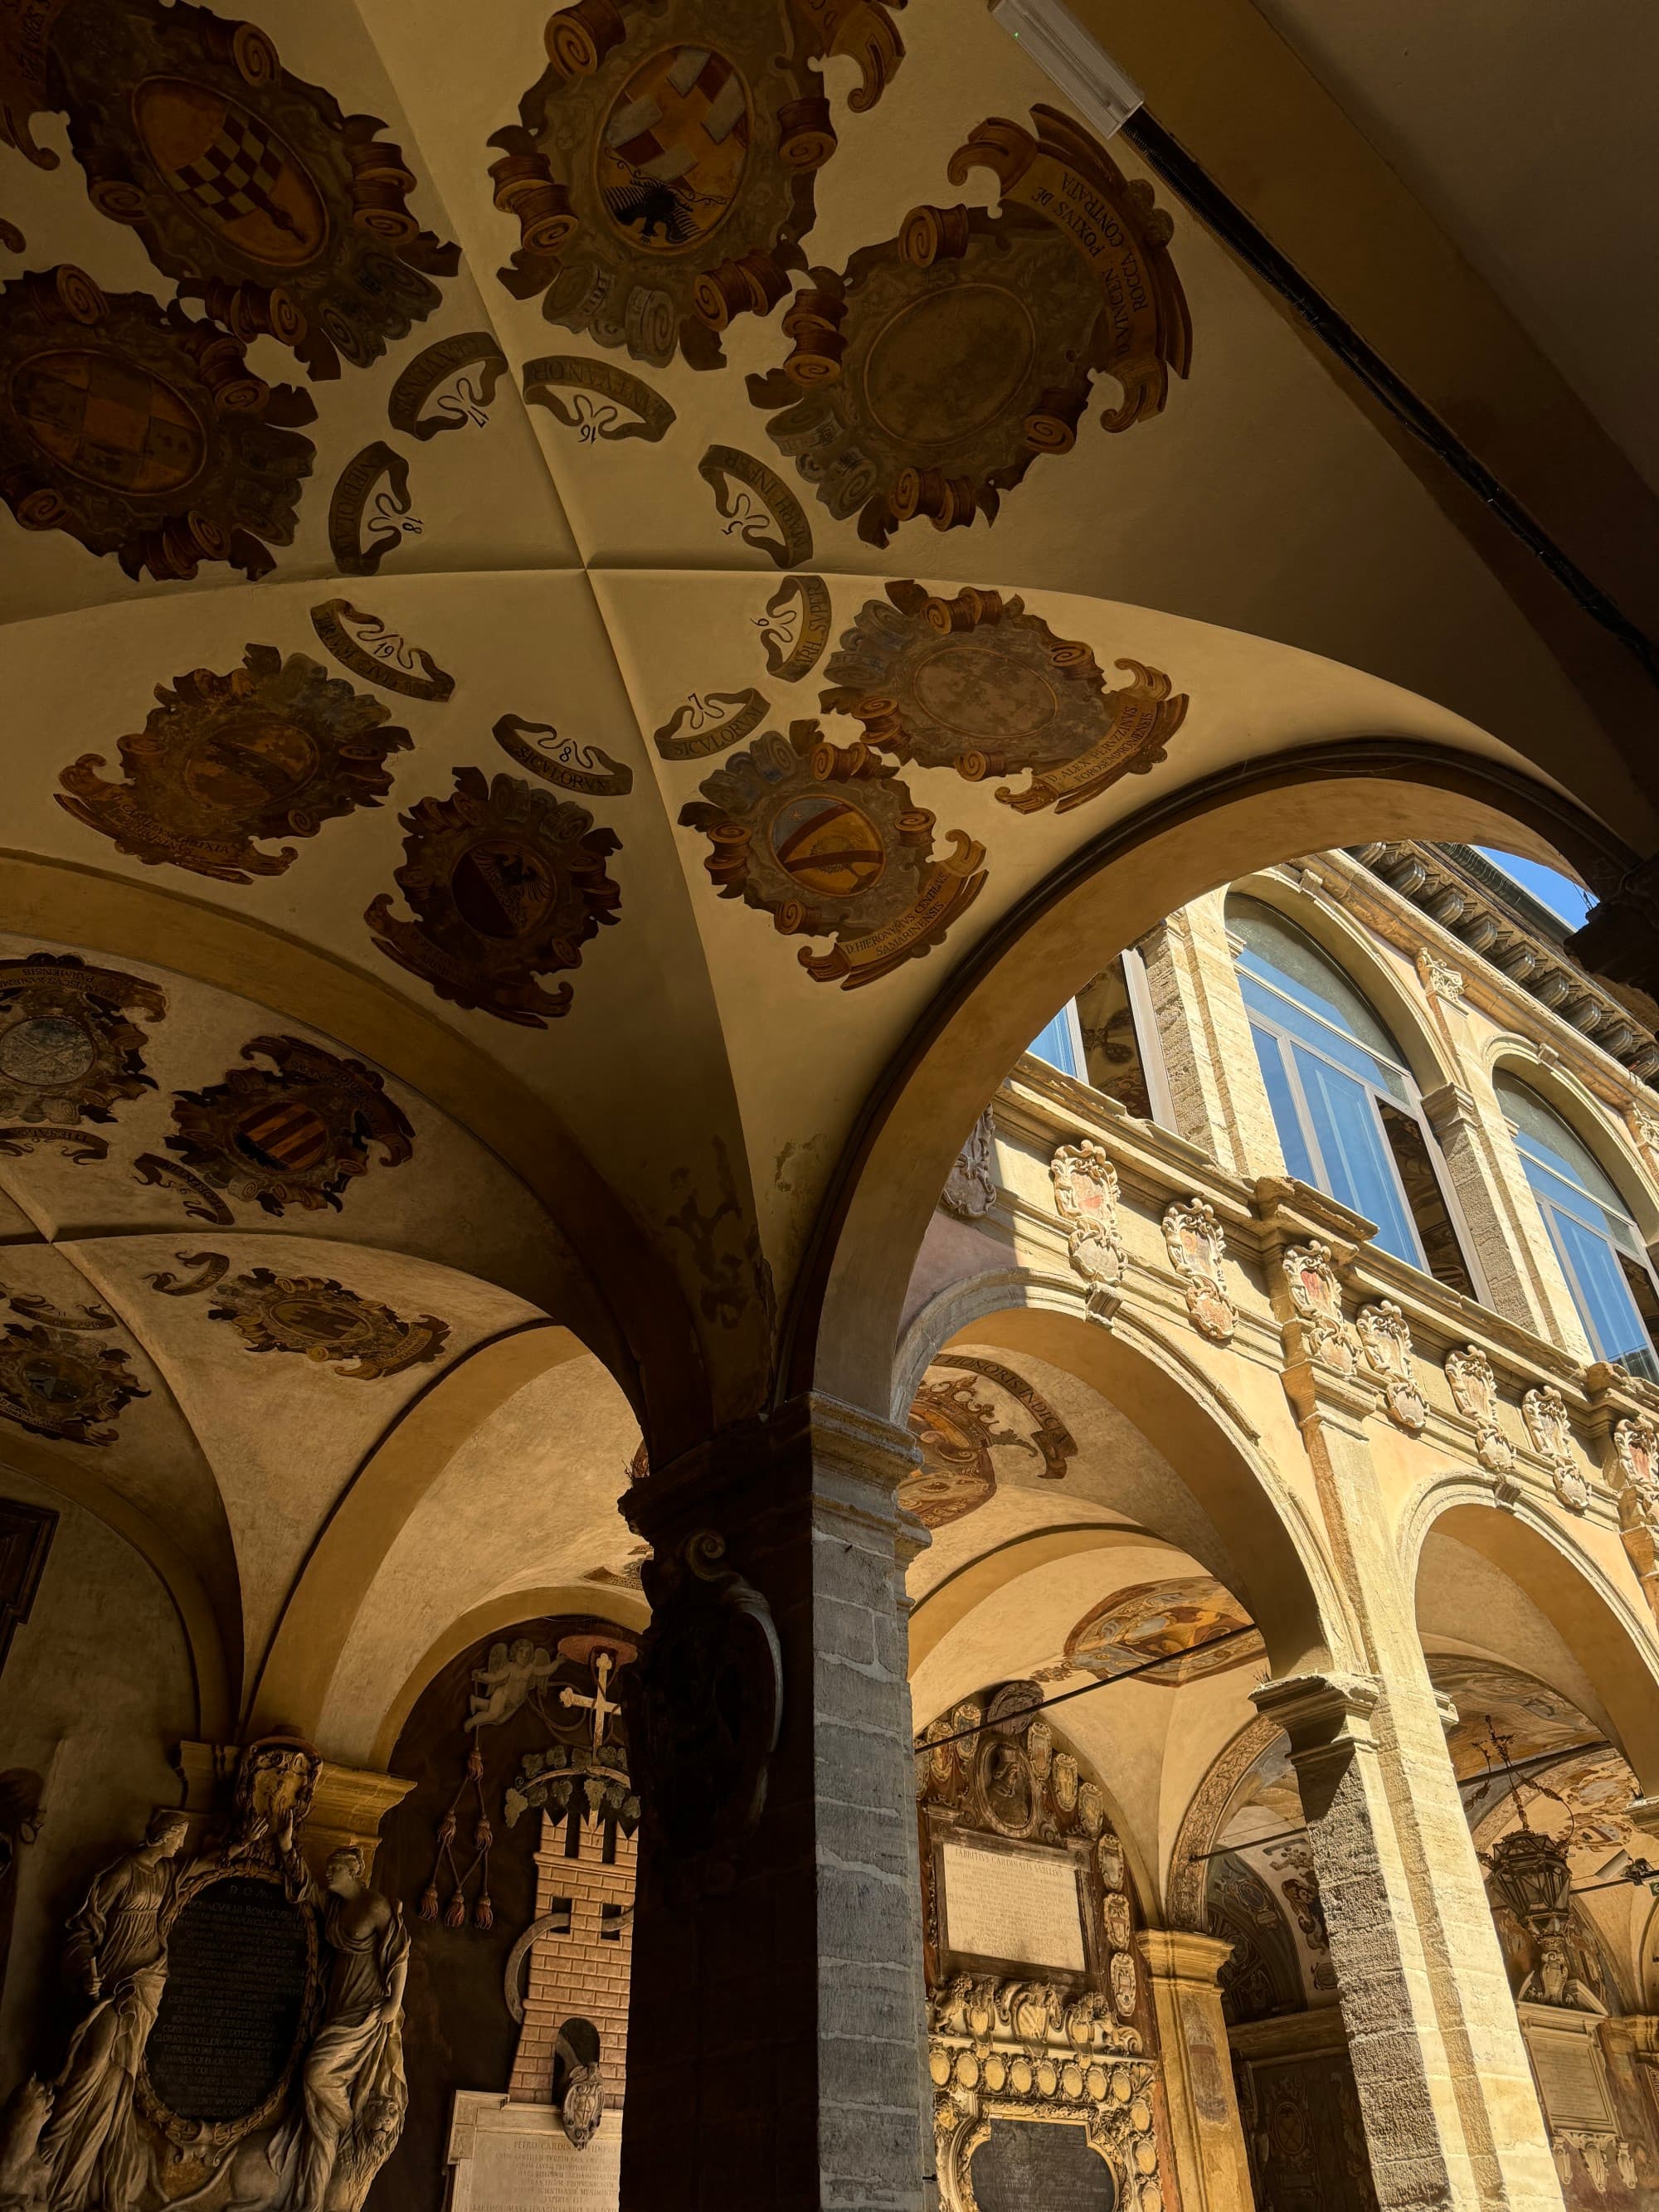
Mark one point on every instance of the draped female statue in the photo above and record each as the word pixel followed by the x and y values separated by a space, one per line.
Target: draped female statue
pixel 94 2157
pixel 353 2093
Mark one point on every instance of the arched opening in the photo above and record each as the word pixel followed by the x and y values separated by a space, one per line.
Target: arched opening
pixel 850 1293
pixel 1550 1706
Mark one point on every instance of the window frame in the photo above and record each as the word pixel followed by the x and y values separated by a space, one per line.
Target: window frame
pixel 1138 993
pixel 1636 1255
pixel 1411 1105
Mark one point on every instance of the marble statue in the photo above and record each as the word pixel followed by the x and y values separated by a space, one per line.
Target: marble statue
pixel 353 2092
pixel 94 2154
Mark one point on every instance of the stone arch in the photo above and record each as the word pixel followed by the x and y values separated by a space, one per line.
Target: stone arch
pixel 842 1322
pixel 1576 1600
pixel 374 1507
pixel 1274 1560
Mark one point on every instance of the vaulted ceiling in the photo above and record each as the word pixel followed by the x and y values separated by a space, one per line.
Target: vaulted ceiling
pixel 564 574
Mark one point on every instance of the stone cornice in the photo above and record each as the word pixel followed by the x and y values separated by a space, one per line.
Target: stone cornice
pixel 1520 979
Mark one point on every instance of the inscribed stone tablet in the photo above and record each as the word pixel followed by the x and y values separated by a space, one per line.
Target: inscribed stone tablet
pixel 544 2171
pixel 1039 2165
pixel 231 2010
pixel 1018 1905
pixel 1570 2084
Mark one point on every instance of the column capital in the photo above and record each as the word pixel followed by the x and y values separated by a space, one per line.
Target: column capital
pixel 846 1458
pixel 1315 1710
pixel 1179 1954
pixel 1449 1107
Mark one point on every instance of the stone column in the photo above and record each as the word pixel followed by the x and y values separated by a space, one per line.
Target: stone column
pixel 1523 1275
pixel 1451 2114
pixel 1211 2164
pixel 1215 1088
pixel 776 2029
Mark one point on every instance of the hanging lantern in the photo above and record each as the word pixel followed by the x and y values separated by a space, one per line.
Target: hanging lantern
pixel 1530 1874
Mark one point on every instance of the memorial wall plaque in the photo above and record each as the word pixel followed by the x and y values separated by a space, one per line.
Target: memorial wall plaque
pixel 239 1962
pixel 517 2158
pixel 1020 1907
pixel 1566 2057
pixel 1039 2165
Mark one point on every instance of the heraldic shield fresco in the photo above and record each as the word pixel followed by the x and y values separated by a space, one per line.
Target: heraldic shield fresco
pixel 661 170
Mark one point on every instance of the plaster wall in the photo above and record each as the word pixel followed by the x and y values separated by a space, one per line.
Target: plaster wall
pixel 97 1685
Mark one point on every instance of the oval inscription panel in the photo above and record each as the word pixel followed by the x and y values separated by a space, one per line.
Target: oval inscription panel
pixel 234 2002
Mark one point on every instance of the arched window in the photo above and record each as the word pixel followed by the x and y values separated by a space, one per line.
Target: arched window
pixel 1598 1244
pixel 1348 1115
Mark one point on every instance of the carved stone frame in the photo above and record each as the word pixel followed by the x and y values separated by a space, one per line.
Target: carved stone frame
pixel 952 1961
pixel 956 2147
pixel 214 2136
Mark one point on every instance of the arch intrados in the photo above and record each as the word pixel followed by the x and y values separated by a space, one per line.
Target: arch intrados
pixel 339 1573
pixel 1266 1571
pixel 1337 937
pixel 1588 1118
pixel 624 1608
pixel 976 1581
pixel 842 1321
pixel 1611 1648
pixel 639 1323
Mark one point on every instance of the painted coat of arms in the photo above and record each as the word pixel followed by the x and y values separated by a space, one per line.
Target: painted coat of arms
pixel 293 1134
pixel 274 748
pixel 1317 1301
pixel 505 884
pixel 1549 1429
pixel 68 1050
pixel 1385 1338
pixel 312 1316
pixel 929 375
pixel 825 840
pixel 661 170
pixel 1475 1390
pixel 286 217
pixel 55 1384
pixel 141 432
pixel 976 683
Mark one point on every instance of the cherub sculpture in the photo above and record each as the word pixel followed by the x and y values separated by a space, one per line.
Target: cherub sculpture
pixel 515 1670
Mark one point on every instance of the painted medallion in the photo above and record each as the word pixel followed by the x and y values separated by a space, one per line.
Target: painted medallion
pixel 661 169
pixel 68 1049
pixel 274 748
pixel 930 374
pixel 505 884
pixel 141 432
pixel 285 216
pixel 296 1134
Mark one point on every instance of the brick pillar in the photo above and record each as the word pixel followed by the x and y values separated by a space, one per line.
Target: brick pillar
pixel 1211 2164
pixel 1451 2114
pixel 776 2030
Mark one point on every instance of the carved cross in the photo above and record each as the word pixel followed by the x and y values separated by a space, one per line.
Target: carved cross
pixel 601 1707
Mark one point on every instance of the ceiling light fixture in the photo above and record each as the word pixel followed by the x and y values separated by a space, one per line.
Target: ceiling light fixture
pixel 1101 92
